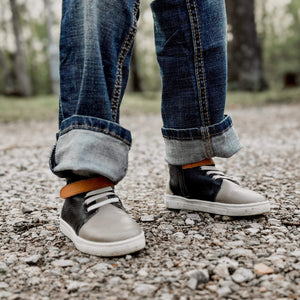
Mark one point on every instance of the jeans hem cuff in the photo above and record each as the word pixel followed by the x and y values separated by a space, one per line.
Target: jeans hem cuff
pixel 97 125
pixel 88 153
pixel 185 151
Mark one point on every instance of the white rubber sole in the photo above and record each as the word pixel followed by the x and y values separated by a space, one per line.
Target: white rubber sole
pixel 103 249
pixel 177 202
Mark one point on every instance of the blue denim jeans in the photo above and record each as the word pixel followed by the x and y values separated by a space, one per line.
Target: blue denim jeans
pixel 95 47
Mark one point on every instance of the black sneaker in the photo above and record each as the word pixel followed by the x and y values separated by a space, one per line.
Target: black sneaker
pixel 207 189
pixel 97 224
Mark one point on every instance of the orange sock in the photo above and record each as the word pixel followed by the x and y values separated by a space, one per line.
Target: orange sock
pixel 204 162
pixel 84 186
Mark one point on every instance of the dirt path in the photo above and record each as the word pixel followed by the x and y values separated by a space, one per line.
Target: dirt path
pixel 188 255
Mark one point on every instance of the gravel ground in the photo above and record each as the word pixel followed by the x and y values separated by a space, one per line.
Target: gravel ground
pixel 188 255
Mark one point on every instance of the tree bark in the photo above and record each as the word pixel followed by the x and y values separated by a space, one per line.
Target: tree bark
pixel 23 84
pixel 52 49
pixel 136 81
pixel 245 70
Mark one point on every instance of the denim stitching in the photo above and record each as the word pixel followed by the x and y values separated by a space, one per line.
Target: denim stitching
pixel 209 143
pixel 124 51
pixel 204 141
pixel 198 54
pixel 196 136
pixel 96 129
pixel 202 64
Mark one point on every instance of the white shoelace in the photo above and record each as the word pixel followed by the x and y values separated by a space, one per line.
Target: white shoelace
pixel 216 174
pixel 100 197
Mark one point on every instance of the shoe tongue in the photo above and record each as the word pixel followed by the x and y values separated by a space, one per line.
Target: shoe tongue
pixel 204 162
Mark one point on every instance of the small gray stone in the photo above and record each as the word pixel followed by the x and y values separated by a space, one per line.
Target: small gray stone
pixel 3 267
pixel 3 285
pixel 63 263
pixel 74 286
pixel 147 218
pixel 83 260
pixel 27 209
pixel 144 289
pixel 224 291
pixel 115 280
pixel 189 221
pixel 102 267
pixel 238 252
pixel 11 259
pixel 242 275
pixel 296 253
pixel 178 235
pixel 201 275
pixel 194 217
pixel 192 283
pixel 142 273
pixel 222 270
pixel 33 259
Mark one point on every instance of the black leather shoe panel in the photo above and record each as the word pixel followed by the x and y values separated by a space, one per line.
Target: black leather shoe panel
pixel 193 183
pixel 74 212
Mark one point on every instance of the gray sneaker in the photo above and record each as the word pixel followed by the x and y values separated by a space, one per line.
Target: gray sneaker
pixel 97 224
pixel 207 189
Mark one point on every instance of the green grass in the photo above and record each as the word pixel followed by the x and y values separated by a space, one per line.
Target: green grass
pixel 25 109
pixel 46 107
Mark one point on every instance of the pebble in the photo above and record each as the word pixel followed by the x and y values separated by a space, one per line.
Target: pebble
pixel 63 263
pixel 194 217
pixel 83 260
pixel 147 218
pixel 3 285
pixel 238 252
pixel 101 267
pixel 178 235
pixel 33 259
pixel 3 267
pixel 144 289
pixel 262 269
pixel 189 221
pixel 142 273
pixel 223 291
pixel 27 209
pixel 296 253
pixel 242 275
pixel 74 286
pixel 222 270
pixel 115 280
pixel 197 277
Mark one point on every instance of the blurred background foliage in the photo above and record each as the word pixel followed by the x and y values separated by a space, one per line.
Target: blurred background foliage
pixel 263 51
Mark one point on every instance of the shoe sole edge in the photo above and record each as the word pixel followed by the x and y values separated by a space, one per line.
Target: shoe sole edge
pixel 105 249
pixel 226 209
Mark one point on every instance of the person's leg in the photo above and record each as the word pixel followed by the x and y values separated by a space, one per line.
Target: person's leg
pixel 191 50
pixel 92 148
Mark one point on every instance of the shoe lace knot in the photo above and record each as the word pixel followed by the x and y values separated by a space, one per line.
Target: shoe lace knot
pixel 98 198
pixel 217 174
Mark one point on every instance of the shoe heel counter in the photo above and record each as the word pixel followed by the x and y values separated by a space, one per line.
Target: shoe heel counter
pixel 177 181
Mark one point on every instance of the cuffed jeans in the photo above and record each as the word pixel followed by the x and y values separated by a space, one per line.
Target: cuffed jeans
pixel 95 47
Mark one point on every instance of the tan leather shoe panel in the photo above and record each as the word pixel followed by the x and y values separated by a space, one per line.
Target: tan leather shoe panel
pixel 232 193
pixel 109 224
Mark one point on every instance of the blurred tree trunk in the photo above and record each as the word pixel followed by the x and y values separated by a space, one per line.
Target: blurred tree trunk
pixel 136 80
pixel 23 84
pixel 245 57
pixel 52 50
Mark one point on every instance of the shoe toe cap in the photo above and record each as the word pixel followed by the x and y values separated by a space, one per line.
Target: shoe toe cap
pixel 110 224
pixel 235 194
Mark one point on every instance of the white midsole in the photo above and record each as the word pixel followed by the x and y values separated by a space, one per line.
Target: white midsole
pixel 249 209
pixel 103 249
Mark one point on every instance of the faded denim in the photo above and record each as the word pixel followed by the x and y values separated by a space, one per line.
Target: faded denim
pixel 95 48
